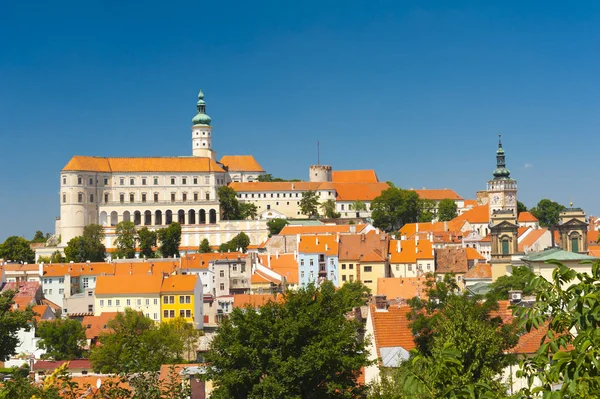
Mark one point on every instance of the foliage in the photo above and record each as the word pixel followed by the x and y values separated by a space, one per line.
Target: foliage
pixel 11 321
pixel 309 204
pixel 518 280
pixel 126 239
pixel 267 177
pixel 329 209
pixel 569 307
pixel 301 347
pixel 521 207
pixel 39 236
pixel 88 246
pixel 147 240
pixel 358 206
pixel 189 336
pixel 57 257
pixel 17 249
pixel 247 210
pixel 446 210
pixel 547 212
pixel 63 339
pixel 276 225
pixel 238 243
pixel 426 210
pixel 394 207
pixel 205 247
pixel 170 238
pixel 135 344
pixel 230 207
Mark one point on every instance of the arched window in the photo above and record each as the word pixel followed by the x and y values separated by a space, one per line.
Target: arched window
pixel 202 216
pixel 137 218
pixel 181 216
pixel 158 218
pixel 505 247
pixel 147 218
pixel 168 217
pixel 212 216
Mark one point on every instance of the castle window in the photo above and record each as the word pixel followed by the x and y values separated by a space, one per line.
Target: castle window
pixel 131 197
pixel 106 181
pixel 575 244
pixel 64 197
pixel 172 197
pixel 79 180
pixel 121 198
pixel 184 196
pixel 155 197
pixel 91 198
pixel 195 196
pixel 131 181
pixel 184 180
pixel 342 206
pixel 208 196
pixel 143 197
pixel 143 181
pixel 122 181
pixel 207 179
pixel 64 180
pixel 172 181
pixel 105 198
pixel 156 181
pixel 195 180
pixel 505 247
pixel 79 197
pixel 91 181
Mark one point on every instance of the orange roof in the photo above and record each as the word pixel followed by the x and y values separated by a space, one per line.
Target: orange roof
pixel 530 342
pixel 359 191
pixel 147 164
pixel 263 278
pixel 40 310
pixel 527 217
pixel 356 246
pixel 179 283
pixel 241 163
pixel 472 254
pixel 311 244
pixel 594 250
pixel 402 287
pixel 479 271
pixel 410 229
pixel 404 251
pixel 255 300
pixel 94 325
pixel 354 176
pixel 77 269
pixel 487 238
pixel 391 328
pixel 531 238
pixel 286 266
pixel 280 186
pixel 469 202
pixel 150 266
pixel 451 260
pixel 592 236
pixel 201 261
pixel 522 230
pixel 438 195
pixel 128 284
pixel 86 384
pixel 479 214
pixel 18 267
pixel 23 301
pixel 320 229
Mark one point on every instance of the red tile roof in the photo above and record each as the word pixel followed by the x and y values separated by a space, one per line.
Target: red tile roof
pixel 241 163
pixel 285 265
pixel 253 300
pixel 451 260
pixel 391 327
pixel 52 365
pixel 147 164
pixel 321 229
pixel 179 284
pixel 279 186
pixel 354 176
pixel 357 246
pixel 479 271
pixel 404 251
pixel 94 325
pixel 531 238
pixel 438 194
pixel 77 269
pixel 402 287
pixel 318 244
pixel 128 284
pixel 478 215
pixel 472 254
pixel 359 191
pixel 527 217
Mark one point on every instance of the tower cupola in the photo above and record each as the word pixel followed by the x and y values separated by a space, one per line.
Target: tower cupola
pixel 201 118
pixel 501 172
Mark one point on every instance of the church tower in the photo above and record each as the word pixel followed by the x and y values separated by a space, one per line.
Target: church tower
pixel 501 190
pixel 202 131
pixel 572 228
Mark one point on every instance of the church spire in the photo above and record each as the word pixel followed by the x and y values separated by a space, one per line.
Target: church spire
pixel 201 118
pixel 501 173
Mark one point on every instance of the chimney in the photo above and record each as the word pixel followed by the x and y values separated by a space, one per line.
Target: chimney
pixel 417 228
pixel 362 237
pixel 276 254
pixel 326 247
pixel 317 240
pixel 398 247
pixel 337 237
pixel 380 303
pixel 295 255
pixel 353 228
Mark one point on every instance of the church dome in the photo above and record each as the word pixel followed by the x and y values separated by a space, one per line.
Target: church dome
pixel 501 173
pixel 201 118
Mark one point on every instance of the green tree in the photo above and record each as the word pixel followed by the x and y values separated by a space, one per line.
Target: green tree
pixel 39 236
pixel 11 321
pixel 238 243
pixel 301 347
pixel 230 207
pixel 329 209
pixel 518 280
pixel 358 206
pixel 447 210
pixel 126 239
pixel 568 307
pixel 189 336
pixel 521 207
pixel 247 210
pixel 547 212
pixel 63 339
pixel 309 204
pixel 170 238
pixel 89 246
pixel 17 249
pixel 57 257
pixel 426 210
pixel 394 207
pixel 147 240
pixel 136 343
pixel 205 247
pixel 276 225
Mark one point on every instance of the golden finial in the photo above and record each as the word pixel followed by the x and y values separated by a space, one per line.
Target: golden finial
pixel 571 202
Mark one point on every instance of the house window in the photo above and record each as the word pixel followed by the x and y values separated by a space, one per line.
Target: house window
pixel 172 181
pixel 428 266
pixel 171 313
pixel 143 197
pixel 343 277
pixel 165 299
pixel 131 181
pixel 181 299
pixel 368 269
pixel 188 313
pixel 302 274
pixel 184 197
pixel 147 302
pixel 131 197
pixel 351 266
pixel 343 266
pixel 61 290
pixel 122 181
pixel 195 180
pixel 172 197
pixel 342 207
pixel 222 273
pixel 155 197
pixel 156 301
pixel 222 286
pixel 85 282
pixel 90 308
pixel 109 302
pixel 208 196
pixel 105 181
pixel 184 180
pixel 143 181
pixel 50 291
pixel 166 314
pixel 182 313
pixel 171 299
pixel 188 299
pixel 105 198
pixel 139 302
pixel 91 181
pixel 121 198
pixel 301 262
pixel 91 198
pixel 128 302
pixel 207 179
pixel 61 280
pixel 155 316
pixel 368 281
pixel 351 277
pixel 64 180
pixel 195 196
pixel 117 302
pixel 410 268
pixel 156 181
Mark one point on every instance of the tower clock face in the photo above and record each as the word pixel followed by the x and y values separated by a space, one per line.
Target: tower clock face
pixel 496 199
pixel 510 198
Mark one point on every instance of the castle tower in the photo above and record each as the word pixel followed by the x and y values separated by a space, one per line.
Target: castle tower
pixel 572 228
pixel 319 173
pixel 202 131
pixel 501 190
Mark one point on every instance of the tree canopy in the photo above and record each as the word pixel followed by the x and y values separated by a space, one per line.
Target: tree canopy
pixel 309 204
pixel 39 236
pixel 301 347
pixel 238 243
pixel 267 177
pixel 136 343
pixel 521 207
pixel 147 239
pixel 88 246
pixel 63 339
pixel 329 209
pixel 547 212
pixel 17 249
pixel 126 239
pixel 170 238
pixel 426 210
pixel 394 207
pixel 11 321
pixel 446 210
pixel 204 247
pixel 231 208
pixel 519 280
pixel 276 225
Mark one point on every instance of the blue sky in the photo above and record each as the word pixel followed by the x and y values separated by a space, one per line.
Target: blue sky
pixel 415 90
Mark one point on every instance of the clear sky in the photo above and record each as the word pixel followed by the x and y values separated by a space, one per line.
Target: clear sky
pixel 417 91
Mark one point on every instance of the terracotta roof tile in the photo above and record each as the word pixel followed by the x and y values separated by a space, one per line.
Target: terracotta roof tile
pixel 128 284
pixel 479 214
pixel 438 195
pixel 527 217
pixel 94 325
pixel 52 365
pixel 472 254
pixel 355 246
pixel 479 271
pixel 531 238
pixel 470 202
pixel 359 191
pixel 77 269
pixel 280 186
pixel 40 311
pixel 147 164
pixel 179 284
pixel 263 278
pixel 321 244
pixel 354 176
pixel 253 300
pixel 391 328
pixel 402 287
pixel 404 251
pixel 286 266
pixel 451 260
pixel 592 236
pixel 320 229
pixel 150 266
pixel 241 163
pixel 201 261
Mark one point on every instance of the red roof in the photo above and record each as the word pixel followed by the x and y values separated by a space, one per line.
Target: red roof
pixel 354 176
pixel 479 271
pixel 391 327
pixel 527 217
pixel 51 365
pixel 94 325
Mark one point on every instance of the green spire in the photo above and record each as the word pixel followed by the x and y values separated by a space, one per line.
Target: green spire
pixel 201 118
pixel 501 173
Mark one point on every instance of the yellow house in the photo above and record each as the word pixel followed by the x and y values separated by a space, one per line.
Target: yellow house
pixel 181 296
pixel 363 257
pixel 138 292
